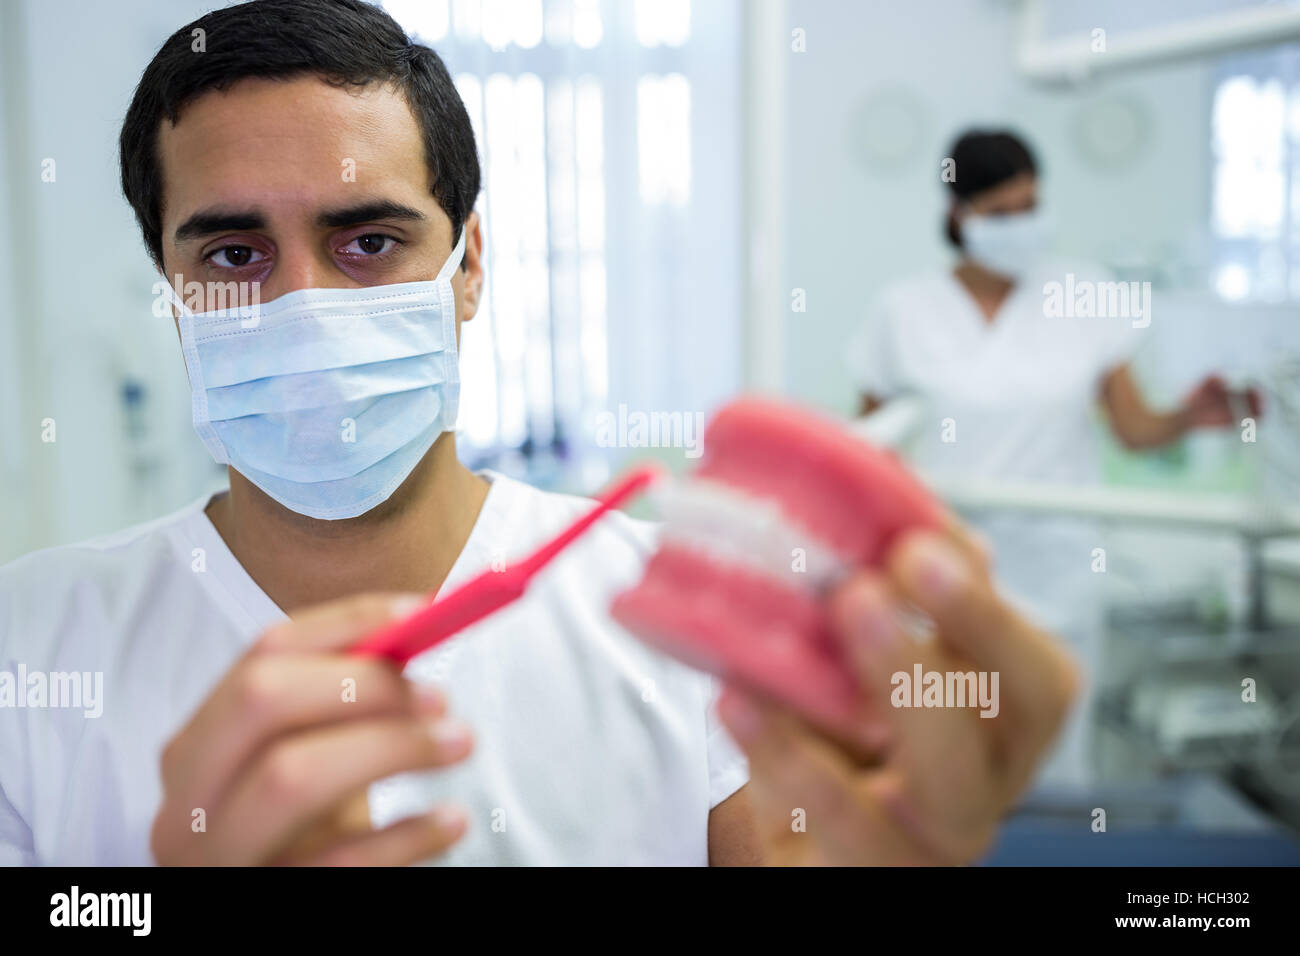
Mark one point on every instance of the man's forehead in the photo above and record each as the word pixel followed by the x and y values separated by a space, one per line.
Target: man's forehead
pixel 291 139
pixel 302 101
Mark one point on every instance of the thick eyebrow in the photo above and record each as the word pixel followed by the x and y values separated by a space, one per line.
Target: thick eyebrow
pixel 368 212
pixel 210 221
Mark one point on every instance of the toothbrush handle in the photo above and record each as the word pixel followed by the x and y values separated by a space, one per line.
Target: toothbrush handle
pixel 434 623
pixel 609 500
pixel 490 590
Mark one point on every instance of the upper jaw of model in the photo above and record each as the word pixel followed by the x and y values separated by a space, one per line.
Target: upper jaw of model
pixel 736 527
pixel 784 504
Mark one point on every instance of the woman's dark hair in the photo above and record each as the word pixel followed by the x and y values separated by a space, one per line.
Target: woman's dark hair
pixel 984 159
pixel 345 42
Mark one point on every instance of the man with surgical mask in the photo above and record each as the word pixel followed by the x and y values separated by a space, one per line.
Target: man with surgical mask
pixel 310 150
pixel 313 156
pixel 1010 373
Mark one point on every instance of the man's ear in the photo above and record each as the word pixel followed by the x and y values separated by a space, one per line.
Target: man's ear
pixel 472 267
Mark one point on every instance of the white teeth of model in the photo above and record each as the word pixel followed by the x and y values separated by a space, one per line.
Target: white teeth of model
pixel 735 527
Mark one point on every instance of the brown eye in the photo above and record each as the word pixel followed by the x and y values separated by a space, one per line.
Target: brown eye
pixel 369 245
pixel 232 257
pixel 372 244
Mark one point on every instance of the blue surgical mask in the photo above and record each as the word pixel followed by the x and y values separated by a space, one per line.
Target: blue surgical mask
pixel 327 399
pixel 1009 245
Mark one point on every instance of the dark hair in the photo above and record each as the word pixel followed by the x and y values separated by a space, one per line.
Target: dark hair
pixel 984 159
pixel 345 42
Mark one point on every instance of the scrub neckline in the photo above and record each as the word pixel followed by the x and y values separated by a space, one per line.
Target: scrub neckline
pixel 986 323
pixel 258 611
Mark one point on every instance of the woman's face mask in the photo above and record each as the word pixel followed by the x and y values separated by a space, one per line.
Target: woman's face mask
pixel 1009 244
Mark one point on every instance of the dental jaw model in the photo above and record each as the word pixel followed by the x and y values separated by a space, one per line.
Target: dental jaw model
pixel 782 507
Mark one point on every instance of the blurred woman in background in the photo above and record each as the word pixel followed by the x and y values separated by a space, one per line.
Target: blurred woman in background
pixel 1010 388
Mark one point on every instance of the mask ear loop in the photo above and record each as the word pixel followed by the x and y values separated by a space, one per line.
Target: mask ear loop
pixel 198 390
pixel 447 306
pixel 453 261
pixel 175 300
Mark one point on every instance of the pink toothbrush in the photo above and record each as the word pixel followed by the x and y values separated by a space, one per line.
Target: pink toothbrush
pixel 490 590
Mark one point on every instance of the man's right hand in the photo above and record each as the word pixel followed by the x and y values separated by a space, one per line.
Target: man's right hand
pixel 275 753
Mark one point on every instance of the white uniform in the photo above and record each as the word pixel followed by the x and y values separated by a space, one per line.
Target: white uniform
pixel 590 748
pixel 1013 399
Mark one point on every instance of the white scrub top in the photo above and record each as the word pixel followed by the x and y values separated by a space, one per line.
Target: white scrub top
pixel 590 747
pixel 1020 391
pixel 1013 399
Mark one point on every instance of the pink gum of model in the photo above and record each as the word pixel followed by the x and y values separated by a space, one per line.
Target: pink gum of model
pixel 752 628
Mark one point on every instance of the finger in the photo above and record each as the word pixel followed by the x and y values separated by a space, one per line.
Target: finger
pixel 804 790
pixel 273 694
pixel 866 623
pixel 301 779
pixel 787 781
pixel 868 627
pixel 338 624
pixel 259 692
pixel 408 841
pixel 978 624
pixel 971 543
pixel 933 840
pixel 1212 386
pixel 1037 679
pixel 931 741
pixel 347 820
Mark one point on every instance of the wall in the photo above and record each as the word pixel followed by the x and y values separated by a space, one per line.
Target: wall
pixel 76 293
pixel 944 66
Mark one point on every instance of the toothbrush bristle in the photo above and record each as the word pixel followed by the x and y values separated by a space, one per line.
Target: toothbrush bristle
pixel 736 527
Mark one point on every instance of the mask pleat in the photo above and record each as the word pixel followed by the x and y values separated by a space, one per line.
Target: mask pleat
pixel 315 343
pixel 334 443
pixel 351 495
pixel 321 389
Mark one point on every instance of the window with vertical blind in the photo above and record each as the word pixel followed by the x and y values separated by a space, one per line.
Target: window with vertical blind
pixel 586 115
pixel 1255 188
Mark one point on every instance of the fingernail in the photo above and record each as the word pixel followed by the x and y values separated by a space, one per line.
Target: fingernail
pixel 428 698
pixel 447 817
pixel 942 572
pixel 404 605
pixel 449 732
pixel 741 717
pixel 873 625
pixel 875 736
pixel 985 547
